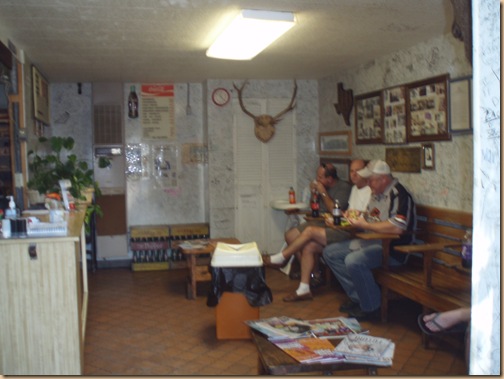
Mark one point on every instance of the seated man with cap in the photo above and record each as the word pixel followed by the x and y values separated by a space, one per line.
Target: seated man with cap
pixel 391 209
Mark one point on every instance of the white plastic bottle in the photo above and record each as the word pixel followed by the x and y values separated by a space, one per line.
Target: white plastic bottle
pixel 11 211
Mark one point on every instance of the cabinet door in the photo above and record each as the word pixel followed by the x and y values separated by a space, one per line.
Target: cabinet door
pixel 40 320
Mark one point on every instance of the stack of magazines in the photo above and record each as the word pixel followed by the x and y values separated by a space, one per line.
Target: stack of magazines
pixel 307 341
pixel 367 349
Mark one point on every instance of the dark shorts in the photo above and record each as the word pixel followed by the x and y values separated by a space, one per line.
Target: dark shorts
pixel 332 235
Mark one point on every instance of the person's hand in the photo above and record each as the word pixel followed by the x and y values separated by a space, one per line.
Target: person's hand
pixel 359 222
pixel 328 218
pixel 351 213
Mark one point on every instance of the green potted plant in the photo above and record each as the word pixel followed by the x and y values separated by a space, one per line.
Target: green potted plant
pixel 55 161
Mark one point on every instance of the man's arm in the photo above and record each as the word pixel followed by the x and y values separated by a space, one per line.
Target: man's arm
pixel 376 227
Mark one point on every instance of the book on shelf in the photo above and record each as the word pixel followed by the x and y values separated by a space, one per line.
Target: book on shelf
pixel 360 346
pixel 287 327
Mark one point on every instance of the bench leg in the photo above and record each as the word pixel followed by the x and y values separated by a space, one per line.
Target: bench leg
pixel 384 304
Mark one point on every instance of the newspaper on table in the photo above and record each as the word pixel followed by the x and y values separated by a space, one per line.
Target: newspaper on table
pixel 358 348
pixel 287 327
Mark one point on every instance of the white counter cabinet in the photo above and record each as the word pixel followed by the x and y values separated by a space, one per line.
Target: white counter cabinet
pixel 43 303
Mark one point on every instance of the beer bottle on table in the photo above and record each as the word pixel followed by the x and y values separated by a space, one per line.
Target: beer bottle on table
pixel 337 212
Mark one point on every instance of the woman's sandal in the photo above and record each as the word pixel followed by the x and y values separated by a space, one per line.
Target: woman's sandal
pixel 458 328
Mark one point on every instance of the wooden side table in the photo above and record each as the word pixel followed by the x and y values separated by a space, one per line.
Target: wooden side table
pixel 198 270
pixel 273 361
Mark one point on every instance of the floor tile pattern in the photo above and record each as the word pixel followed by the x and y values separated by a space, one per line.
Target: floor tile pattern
pixel 140 323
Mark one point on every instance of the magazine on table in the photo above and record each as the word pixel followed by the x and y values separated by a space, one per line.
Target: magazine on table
pixel 385 360
pixel 283 326
pixel 320 350
pixel 363 346
pixel 309 350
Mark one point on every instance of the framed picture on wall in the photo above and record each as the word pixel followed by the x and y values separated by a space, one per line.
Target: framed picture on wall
pixel 40 88
pixel 428 158
pixel 335 143
pixel 342 166
pixel 368 118
pixel 394 115
pixel 428 119
pixel 460 105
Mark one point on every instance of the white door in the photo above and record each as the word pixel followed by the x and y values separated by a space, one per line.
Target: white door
pixel 263 172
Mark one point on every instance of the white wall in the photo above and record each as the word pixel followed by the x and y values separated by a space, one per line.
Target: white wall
pixel 486 271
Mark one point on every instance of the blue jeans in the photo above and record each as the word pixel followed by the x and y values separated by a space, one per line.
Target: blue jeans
pixel 353 268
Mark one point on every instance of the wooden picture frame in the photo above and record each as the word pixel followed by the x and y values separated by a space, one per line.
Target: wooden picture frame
pixel 40 88
pixel 369 118
pixel 428 156
pixel 335 143
pixel 395 115
pixel 342 166
pixel 428 110
pixel 461 105
pixel 404 159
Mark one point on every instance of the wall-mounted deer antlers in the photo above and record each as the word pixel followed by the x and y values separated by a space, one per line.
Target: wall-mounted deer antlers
pixel 264 125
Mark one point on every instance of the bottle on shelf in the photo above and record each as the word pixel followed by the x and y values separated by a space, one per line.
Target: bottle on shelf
pixel 292 196
pixel 467 249
pixel 315 204
pixel 337 212
pixel 132 103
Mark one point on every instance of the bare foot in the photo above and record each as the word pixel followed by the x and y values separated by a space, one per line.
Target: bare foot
pixel 437 322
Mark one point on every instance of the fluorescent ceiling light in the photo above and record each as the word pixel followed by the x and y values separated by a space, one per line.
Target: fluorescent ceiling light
pixel 250 33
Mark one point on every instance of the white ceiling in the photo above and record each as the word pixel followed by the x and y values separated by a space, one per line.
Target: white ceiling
pixel 166 40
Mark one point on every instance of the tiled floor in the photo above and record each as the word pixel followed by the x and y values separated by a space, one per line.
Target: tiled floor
pixel 140 323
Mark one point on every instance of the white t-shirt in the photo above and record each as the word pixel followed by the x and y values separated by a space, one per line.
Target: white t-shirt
pixel 358 200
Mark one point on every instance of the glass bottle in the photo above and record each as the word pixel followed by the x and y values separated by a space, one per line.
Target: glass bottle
pixel 132 103
pixel 315 204
pixel 467 249
pixel 292 196
pixel 337 212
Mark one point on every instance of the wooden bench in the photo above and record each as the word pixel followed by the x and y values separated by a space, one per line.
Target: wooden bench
pixel 433 275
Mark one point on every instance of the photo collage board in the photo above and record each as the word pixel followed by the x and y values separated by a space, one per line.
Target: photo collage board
pixel 406 113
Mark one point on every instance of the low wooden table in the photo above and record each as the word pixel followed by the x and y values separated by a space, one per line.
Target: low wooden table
pixel 199 272
pixel 273 361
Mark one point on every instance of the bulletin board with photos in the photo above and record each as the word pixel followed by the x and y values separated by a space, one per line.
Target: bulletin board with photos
pixel 369 118
pixel 428 119
pixel 413 112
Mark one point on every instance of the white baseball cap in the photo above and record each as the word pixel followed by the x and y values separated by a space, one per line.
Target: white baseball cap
pixel 377 167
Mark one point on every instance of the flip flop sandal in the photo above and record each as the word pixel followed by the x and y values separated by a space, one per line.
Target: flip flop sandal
pixel 458 328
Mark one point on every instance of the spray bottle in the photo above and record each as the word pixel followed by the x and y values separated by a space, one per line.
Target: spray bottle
pixel 11 211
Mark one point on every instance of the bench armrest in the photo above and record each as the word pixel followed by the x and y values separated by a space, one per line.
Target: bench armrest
pixel 386 240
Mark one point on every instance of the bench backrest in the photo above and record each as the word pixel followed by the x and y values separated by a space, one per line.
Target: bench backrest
pixel 439 225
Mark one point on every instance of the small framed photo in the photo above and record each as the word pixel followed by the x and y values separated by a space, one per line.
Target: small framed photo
pixel 429 160
pixel 335 143
pixel 461 105
pixel 40 87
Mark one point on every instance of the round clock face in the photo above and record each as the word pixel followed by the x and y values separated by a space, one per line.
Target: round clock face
pixel 220 96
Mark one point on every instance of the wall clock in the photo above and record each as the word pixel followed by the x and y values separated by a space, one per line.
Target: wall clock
pixel 220 96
